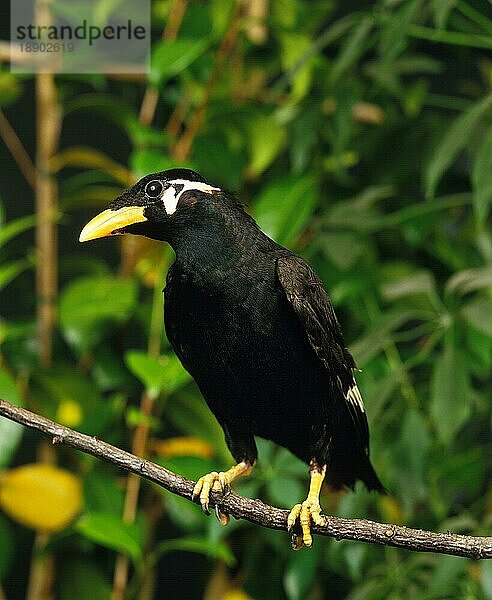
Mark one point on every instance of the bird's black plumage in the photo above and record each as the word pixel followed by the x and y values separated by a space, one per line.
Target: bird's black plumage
pixel 254 326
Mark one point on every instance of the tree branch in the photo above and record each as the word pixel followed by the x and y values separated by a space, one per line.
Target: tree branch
pixel 256 511
pixel 18 151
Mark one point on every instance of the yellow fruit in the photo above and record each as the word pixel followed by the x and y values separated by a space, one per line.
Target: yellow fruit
pixel 69 413
pixel 182 446
pixel 42 497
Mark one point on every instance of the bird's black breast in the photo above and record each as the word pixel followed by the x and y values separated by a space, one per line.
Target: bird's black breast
pixel 235 333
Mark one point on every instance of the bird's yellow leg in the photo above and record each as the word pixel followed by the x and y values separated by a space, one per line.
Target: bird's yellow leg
pixel 219 482
pixel 310 510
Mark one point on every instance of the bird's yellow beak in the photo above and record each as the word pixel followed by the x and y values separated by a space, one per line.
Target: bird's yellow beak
pixel 110 222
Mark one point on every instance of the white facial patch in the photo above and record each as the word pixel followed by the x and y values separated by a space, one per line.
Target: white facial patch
pixel 171 196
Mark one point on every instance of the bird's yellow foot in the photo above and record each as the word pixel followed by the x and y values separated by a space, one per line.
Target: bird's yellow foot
pixel 219 482
pixel 213 481
pixel 309 511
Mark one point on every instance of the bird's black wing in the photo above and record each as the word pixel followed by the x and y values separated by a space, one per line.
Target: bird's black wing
pixel 313 307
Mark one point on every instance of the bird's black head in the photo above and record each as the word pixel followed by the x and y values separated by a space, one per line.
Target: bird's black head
pixel 156 204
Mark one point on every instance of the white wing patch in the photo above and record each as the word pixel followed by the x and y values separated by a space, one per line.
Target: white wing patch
pixel 353 396
pixel 172 194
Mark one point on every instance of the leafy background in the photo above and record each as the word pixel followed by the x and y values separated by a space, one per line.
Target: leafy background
pixel 360 135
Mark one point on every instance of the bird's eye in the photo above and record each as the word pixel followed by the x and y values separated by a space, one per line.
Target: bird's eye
pixel 154 188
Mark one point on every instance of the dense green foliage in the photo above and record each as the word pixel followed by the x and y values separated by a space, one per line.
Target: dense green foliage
pixel 359 136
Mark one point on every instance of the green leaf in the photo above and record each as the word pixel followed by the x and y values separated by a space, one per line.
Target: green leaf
pixel 394 35
pixel 450 392
pixel 82 578
pixel 379 336
pixel 157 374
pixel 445 575
pixel 409 456
pixel 343 248
pixel 217 157
pixel 478 313
pixel 463 473
pixel 470 280
pixel 10 432
pixel 171 58
pixel 441 10
pixel 285 491
pixel 10 88
pixel 11 270
pixel 109 531
pixel 300 574
pixel 72 397
pixel 287 464
pixel 360 212
pixel 482 179
pixel 487 578
pixel 220 12
pixel 143 135
pixel 479 345
pixel 111 106
pixel 14 228
pixel 92 305
pixel 191 467
pixel 102 492
pixel 149 369
pixel 296 61
pixel 135 417
pixel 108 369
pixel 198 545
pixel 354 555
pixel 183 513
pixel 266 138
pixel 454 141
pixel 7 546
pixel 149 160
pixel 191 416
pixel 354 46
pixel 285 207
pixel 421 282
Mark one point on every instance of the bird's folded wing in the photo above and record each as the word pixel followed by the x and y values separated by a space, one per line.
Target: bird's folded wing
pixel 312 305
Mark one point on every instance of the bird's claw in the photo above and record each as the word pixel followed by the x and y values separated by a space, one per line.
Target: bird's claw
pixel 296 541
pixel 222 517
pixel 306 513
pixel 215 482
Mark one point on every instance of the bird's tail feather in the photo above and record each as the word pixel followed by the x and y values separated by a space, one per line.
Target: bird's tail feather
pixel 345 469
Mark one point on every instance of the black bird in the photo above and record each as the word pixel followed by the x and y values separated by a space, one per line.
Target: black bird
pixel 252 323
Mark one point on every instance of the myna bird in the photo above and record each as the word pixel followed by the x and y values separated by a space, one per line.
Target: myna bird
pixel 252 323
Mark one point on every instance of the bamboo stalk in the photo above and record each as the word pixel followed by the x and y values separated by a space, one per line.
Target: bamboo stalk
pixel 48 125
pixel 48 130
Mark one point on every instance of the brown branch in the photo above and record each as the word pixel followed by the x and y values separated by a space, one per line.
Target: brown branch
pixel 151 95
pixel 255 511
pixel 177 12
pixel 183 146
pixel 17 150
